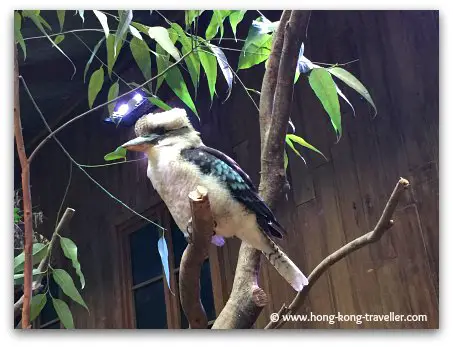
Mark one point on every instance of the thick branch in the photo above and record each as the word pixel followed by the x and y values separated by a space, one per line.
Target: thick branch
pixel 384 224
pixel 64 222
pixel 26 198
pixel 247 299
pixel 193 257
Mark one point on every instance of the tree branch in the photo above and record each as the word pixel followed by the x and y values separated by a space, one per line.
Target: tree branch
pixel 64 222
pixel 247 298
pixel 26 198
pixel 193 258
pixel 385 223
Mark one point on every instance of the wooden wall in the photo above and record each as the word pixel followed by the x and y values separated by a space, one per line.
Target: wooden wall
pixel 330 202
pixel 333 202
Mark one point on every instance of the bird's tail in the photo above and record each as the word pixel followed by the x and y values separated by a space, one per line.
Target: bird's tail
pixel 285 267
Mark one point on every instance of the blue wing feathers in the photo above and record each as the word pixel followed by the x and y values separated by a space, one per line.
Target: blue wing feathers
pixel 213 162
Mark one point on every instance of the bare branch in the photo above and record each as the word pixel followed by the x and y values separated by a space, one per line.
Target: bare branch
pixel 28 223
pixel 247 299
pixel 384 224
pixel 64 222
pixel 193 257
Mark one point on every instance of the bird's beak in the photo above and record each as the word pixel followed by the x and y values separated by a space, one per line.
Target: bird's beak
pixel 141 143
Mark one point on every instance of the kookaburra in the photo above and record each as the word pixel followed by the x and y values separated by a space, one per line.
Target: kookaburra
pixel 178 162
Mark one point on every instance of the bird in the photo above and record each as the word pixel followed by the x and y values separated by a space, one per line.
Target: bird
pixel 179 162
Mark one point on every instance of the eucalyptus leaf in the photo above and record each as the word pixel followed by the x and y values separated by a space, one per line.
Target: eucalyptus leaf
pixel 255 52
pixel 345 99
pixel 324 87
pixel 140 52
pixel 17 33
pixel 235 18
pixel 209 62
pixel 119 153
pixel 39 252
pixel 63 313
pixel 17 216
pixel 135 32
pixel 64 280
pixel 175 81
pixel 224 66
pixel 218 16
pixel 291 145
pixel 161 36
pixel 191 60
pixel 95 85
pixel 163 252
pixel 61 17
pixel 81 14
pixel 354 83
pixel 58 39
pixel 70 251
pixel 111 57
pixel 302 142
pixel 93 54
pixel 121 31
pixel 162 62
pixel 191 15
pixel 19 278
pixel 36 305
pixel 113 93
pixel 104 22
pixel 159 103
pixel 285 160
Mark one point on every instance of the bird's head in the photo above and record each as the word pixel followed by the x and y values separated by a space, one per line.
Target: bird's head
pixel 169 128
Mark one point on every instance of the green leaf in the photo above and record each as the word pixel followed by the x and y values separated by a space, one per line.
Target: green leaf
pixel 291 145
pixel 95 85
pixel 235 18
pixel 70 251
pixel 303 143
pixel 38 20
pixel 17 216
pixel 135 32
pixel 224 66
pixel 191 15
pixel 58 39
pixel 218 16
pixel 176 82
pixel 209 62
pixel 36 305
pixel 113 93
pixel 324 87
pixel 111 57
pixel 345 99
pixel 255 52
pixel 17 33
pixel 162 62
pixel 119 153
pixel 163 252
pixel 39 251
pixel 285 160
pixel 103 20
pixel 66 284
pixel 354 83
pixel 192 62
pixel 123 26
pixel 161 36
pixel 87 66
pixel 140 52
pixel 19 278
pixel 159 103
pixel 63 313
pixel 61 16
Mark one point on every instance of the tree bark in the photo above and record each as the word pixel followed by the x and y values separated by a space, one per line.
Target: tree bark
pixel 26 199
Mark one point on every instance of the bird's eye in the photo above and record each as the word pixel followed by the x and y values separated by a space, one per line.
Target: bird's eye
pixel 159 131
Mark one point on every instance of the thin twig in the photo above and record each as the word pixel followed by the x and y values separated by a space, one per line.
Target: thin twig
pixel 385 223
pixel 26 195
